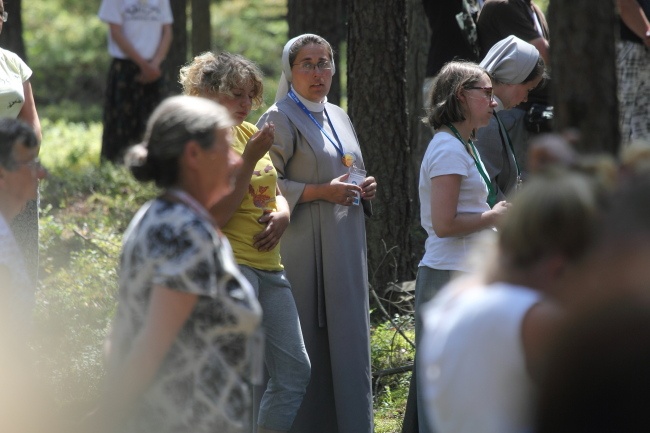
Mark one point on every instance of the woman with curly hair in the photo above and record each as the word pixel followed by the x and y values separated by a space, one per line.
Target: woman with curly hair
pixel 254 217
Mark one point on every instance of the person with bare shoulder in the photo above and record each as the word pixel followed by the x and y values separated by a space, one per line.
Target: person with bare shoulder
pixel 484 345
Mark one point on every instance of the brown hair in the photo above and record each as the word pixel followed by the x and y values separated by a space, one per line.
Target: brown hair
pixel 557 212
pixel 208 74
pixel 444 105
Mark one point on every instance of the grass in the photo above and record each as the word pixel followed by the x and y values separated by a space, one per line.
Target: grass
pixel 389 349
pixel 86 208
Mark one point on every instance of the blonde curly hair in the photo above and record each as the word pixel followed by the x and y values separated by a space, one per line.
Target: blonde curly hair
pixel 209 75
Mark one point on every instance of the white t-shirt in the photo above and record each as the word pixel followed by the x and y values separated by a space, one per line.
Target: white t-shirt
pixel 471 355
pixel 141 20
pixel 447 155
pixel 13 73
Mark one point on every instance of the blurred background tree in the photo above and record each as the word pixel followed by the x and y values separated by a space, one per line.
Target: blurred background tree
pixel 326 19
pixel 584 74
pixel 12 35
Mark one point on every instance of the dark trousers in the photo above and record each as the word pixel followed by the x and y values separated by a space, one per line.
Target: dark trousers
pixel 427 284
pixel 127 108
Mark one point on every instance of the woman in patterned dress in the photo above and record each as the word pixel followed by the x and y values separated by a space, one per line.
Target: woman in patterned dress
pixel 182 350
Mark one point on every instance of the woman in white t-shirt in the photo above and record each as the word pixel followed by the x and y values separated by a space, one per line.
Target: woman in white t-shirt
pixel 456 200
pixel 17 102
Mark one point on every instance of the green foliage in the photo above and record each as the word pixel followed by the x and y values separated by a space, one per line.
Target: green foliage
pixel 543 5
pixel 70 146
pixel 74 306
pixel 86 208
pixel 86 211
pixel 256 29
pixel 389 350
pixel 66 46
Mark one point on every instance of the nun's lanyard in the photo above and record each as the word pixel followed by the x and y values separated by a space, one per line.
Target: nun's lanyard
pixel 337 145
pixel 492 195
pixel 502 130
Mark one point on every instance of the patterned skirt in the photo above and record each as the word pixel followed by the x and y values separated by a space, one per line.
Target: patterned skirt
pixel 127 108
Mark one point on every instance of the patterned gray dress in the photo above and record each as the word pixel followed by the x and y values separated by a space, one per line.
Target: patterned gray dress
pixel 204 383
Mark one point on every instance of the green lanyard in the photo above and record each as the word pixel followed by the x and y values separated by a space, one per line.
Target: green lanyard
pixel 471 149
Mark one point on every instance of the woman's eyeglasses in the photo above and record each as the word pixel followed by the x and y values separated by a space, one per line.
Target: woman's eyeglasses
pixel 489 91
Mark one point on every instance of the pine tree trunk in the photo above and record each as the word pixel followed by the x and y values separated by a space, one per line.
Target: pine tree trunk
pixel 420 134
pixel 326 19
pixel 378 94
pixel 584 75
pixel 12 31
pixel 201 32
pixel 177 55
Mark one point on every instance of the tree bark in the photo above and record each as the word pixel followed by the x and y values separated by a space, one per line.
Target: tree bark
pixel 326 19
pixel 378 93
pixel 420 134
pixel 12 31
pixel 177 55
pixel 583 62
pixel 201 32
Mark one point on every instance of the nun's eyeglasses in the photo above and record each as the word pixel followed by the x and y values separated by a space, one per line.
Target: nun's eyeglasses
pixel 322 66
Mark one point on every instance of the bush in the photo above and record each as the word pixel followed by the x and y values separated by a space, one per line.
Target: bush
pixel 86 208
pixel 67 55
pixel 389 350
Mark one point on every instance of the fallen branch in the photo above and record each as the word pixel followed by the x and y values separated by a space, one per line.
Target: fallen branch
pixel 390 371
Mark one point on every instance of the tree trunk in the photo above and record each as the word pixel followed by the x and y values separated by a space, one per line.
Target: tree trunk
pixel 377 92
pixel 420 134
pixel 326 19
pixel 201 34
pixel 584 75
pixel 177 55
pixel 12 32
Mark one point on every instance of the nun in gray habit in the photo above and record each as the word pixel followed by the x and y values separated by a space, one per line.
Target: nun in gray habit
pixel 324 247
pixel 516 68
